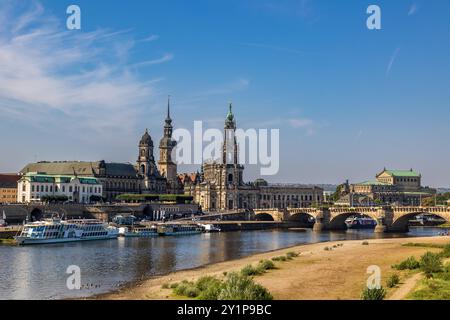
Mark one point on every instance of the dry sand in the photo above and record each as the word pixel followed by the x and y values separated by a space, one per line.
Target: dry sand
pixel 315 275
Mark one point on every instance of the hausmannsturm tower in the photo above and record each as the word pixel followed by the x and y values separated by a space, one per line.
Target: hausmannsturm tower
pixel 166 165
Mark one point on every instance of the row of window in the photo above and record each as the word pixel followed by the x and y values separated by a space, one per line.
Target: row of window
pixel 407 180
pixel 8 190
pixel 121 185
pixel 38 196
pixel 289 197
pixel 51 188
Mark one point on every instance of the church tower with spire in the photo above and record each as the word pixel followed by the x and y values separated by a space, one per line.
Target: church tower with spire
pixel 152 182
pixel 166 165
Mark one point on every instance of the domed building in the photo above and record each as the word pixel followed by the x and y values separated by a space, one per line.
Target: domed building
pixel 122 178
pixel 151 180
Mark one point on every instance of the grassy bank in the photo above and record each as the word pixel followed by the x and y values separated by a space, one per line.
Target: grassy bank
pixel 324 271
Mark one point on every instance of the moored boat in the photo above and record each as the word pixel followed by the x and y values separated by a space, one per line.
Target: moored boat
pixel 209 228
pixel 59 231
pixel 178 229
pixel 360 223
pixel 141 232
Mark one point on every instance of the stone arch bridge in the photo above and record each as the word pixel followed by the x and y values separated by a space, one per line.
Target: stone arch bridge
pixel 17 213
pixel 388 218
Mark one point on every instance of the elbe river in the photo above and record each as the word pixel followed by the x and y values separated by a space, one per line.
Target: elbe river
pixel 39 272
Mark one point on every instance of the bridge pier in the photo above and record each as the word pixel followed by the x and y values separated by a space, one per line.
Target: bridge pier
pixel 380 228
pixel 318 226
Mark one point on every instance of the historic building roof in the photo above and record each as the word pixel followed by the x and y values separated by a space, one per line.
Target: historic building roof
pixel 80 168
pixel 402 173
pixel 9 180
pixel 372 183
pixel 188 177
pixel 46 178
pixel 146 139
pixel 230 122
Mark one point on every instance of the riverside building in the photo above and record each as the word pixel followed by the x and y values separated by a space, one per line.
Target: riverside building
pixel 220 186
pixel 34 187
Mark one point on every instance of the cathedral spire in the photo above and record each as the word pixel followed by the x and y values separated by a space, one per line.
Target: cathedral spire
pixel 229 120
pixel 230 115
pixel 168 108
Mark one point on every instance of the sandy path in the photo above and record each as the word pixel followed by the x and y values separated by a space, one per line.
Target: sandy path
pixel 406 287
pixel 315 274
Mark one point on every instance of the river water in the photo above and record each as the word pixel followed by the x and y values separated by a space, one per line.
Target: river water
pixel 39 272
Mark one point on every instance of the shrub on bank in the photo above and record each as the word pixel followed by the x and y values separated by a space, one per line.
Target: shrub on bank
pixel 266 265
pixel 165 286
pixel 184 288
pixel 393 280
pixel 209 287
pixel 236 286
pixel 239 287
pixel 365 243
pixel 445 253
pixel 262 267
pixel 250 270
pixel 373 294
pixel 291 255
pixel 280 258
pixel 173 285
pixel 409 264
pixel 431 263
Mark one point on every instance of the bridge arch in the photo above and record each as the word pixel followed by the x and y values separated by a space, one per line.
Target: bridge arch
pixel 337 222
pixel 263 216
pixel 36 214
pixel 304 218
pixel 401 220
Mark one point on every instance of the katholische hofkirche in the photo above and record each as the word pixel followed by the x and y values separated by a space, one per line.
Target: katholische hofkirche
pixel 217 186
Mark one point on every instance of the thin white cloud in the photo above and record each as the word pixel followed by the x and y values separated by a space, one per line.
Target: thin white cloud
pixel 392 60
pixel 150 38
pixel 300 123
pixel 413 9
pixel 77 80
pixel 165 58
pixel 303 123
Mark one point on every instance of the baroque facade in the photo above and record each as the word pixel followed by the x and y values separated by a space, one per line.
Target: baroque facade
pixel 402 187
pixel 118 178
pixel 220 186
pixel 35 186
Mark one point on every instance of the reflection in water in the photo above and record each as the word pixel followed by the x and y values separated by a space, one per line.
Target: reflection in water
pixel 39 272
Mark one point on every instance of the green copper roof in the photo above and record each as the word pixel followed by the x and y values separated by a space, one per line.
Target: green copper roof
pixel 42 179
pixel 372 183
pixel 88 181
pixel 403 173
pixel 45 178
pixel 230 116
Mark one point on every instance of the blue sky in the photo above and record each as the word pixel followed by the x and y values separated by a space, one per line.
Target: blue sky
pixel 349 101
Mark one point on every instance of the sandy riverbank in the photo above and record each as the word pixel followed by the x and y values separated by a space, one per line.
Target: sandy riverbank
pixel 316 274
